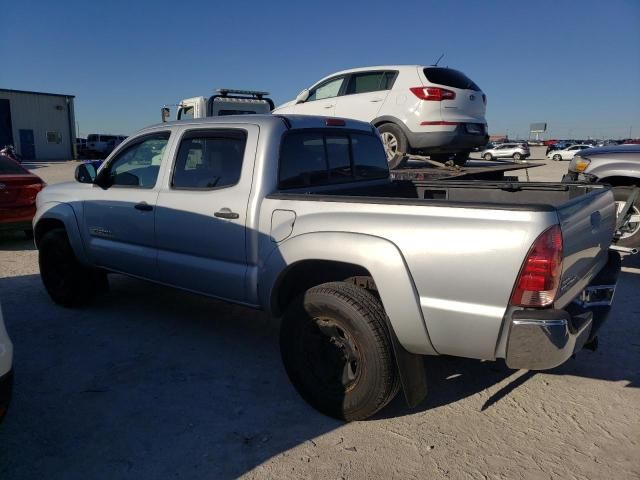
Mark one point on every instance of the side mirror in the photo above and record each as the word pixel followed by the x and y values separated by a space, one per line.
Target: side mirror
pixel 86 173
pixel 166 113
pixel 302 96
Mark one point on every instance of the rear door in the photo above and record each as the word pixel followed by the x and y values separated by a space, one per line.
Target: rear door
pixel 469 104
pixel 364 95
pixel 322 98
pixel 202 211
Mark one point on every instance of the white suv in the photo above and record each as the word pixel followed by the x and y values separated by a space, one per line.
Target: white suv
pixel 434 111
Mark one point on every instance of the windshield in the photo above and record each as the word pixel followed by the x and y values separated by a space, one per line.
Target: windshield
pixel 9 167
pixel 450 78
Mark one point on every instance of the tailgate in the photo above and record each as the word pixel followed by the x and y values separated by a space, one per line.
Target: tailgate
pixel 588 224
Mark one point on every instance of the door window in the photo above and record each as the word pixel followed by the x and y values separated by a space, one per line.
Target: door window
pixel 139 164
pixel 329 89
pixel 370 82
pixel 208 160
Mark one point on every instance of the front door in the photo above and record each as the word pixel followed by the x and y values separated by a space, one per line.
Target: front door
pixel 201 213
pixel 118 223
pixel 322 99
pixel 27 145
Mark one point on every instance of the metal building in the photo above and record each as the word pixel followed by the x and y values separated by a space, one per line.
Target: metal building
pixel 39 125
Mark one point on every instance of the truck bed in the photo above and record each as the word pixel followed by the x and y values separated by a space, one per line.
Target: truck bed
pixel 503 195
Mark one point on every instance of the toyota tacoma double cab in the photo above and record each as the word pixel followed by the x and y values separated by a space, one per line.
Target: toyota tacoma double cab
pixel 298 216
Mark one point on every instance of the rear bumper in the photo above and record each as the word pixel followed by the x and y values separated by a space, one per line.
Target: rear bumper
pixel 6 388
pixel 446 142
pixel 543 339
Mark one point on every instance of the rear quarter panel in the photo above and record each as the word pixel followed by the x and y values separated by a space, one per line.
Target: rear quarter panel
pixel 462 261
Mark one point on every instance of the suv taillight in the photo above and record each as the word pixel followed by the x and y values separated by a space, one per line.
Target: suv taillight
pixel 539 277
pixel 435 94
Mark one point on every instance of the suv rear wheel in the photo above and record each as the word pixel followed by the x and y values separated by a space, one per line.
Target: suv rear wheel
pixel 517 156
pixel 394 142
pixel 461 158
pixel 337 351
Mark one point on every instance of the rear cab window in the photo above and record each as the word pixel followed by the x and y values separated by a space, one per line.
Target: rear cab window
pixel 328 157
pixel 450 78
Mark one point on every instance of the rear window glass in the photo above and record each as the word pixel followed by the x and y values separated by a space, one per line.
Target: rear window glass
pixel 450 78
pixel 323 157
pixel 9 167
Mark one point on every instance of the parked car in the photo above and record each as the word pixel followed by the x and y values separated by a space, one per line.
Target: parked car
pixel 298 216
pixel 18 190
pixel 428 110
pixel 6 368
pixel 517 151
pixel 618 166
pixel 100 145
pixel 566 153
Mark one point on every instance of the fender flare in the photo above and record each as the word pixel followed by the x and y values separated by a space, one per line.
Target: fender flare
pixel 64 213
pixel 380 257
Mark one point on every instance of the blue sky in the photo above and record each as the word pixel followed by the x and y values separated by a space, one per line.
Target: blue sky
pixel 573 64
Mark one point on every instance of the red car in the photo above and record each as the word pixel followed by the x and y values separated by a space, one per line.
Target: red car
pixel 18 190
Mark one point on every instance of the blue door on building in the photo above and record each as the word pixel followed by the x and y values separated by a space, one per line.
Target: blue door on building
pixel 27 145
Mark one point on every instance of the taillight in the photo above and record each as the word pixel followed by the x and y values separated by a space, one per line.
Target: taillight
pixel 335 122
pixel 28 193
pixel 539 277
pixel 435 94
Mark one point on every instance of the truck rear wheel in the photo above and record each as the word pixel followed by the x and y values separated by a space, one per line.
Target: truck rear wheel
pixel 67 281
pixel 631 237
pixel 337 351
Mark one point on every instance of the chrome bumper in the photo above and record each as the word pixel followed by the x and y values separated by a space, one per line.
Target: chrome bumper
pixel 542 339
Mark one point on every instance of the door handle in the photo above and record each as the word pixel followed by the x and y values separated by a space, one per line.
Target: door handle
pixel 375 100
pixel 329 106
pixel 226 213
pixel 144 206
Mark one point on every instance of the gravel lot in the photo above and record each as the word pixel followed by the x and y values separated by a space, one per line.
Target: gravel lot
pixel 153 383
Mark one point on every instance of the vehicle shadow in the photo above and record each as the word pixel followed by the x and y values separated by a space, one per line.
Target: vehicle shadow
pixel 151 379
pixel 15 241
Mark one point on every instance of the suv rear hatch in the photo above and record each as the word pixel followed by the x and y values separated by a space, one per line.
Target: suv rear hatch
pixel 469 104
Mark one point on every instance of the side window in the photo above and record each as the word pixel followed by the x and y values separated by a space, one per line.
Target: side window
pixel 328 89
pixel 366 82
pixel 138 165
pixel 207 160
pixel 369 159
pixel 185 113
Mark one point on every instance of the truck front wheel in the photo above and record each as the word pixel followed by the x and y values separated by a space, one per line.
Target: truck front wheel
pixel 67 282
pixel 337 351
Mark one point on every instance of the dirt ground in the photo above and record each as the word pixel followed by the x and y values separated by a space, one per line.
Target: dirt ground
pixel 152 383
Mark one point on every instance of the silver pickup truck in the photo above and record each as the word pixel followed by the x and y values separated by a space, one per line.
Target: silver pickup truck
pixel 298 216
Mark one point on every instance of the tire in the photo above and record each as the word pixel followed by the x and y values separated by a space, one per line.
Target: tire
pixel 488 157
pixel 557 157
pixel 517 156
pixel 461 158
pixel 67 282
pixel 632 238
pixel 394 141
pixel 337 352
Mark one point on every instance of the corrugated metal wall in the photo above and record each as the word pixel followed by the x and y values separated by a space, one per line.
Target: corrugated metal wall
pixel 48 117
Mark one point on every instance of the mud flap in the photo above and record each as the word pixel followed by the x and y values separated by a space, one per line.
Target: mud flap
pixel 413 375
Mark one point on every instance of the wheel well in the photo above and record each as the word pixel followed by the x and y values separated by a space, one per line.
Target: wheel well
pixel 46 225
pixel 301 276
pixel 620 181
